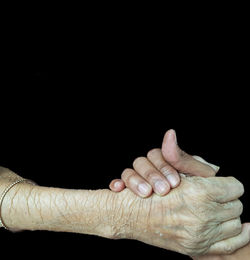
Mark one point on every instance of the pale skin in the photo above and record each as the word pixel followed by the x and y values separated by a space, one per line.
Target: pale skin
pixel 159 164
pixel 175 222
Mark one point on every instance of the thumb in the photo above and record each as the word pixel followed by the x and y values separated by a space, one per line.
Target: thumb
pixel 184 162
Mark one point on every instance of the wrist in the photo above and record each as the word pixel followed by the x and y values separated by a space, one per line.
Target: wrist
pixel 130 213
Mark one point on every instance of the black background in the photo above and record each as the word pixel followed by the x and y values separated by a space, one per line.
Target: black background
pixel 78 106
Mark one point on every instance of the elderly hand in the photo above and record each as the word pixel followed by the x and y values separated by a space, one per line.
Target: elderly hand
pixel 166 162
pixel 200 216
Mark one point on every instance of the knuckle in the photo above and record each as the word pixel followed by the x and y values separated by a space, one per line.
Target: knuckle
pixel 138 161
pixel 129 180
pixel 204 192
pixel 238 183
pixel 195 246
pixel 228 249
pixel 203 222
pixel 151 174
pixel 237 225
pixel 152 152
pixel 235 207
pixel 241 188
pixel 232 178
pixel 166 169
pixel 197 232
pixel 203 214
pixel 240 205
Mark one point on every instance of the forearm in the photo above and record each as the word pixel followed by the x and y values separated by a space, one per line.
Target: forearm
pixel 28 207
pixel 99 212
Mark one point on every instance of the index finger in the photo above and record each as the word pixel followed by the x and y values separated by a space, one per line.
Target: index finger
pixel 225 189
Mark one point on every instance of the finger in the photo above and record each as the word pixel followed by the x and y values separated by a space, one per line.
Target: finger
pixel 145 168
pixel 200 159
pixel 225 189
pixel 228 211
pixel 117 185
pixel 229 245
pixel 229 229
pixel 156 158
pixel 182 161
pixel 136 183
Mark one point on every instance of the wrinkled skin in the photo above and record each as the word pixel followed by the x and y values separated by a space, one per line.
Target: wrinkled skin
pixel 175 160
pixel 189 219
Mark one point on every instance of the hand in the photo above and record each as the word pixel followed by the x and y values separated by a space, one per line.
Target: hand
pixel 191 165
pixel 159 171
pixel 200 216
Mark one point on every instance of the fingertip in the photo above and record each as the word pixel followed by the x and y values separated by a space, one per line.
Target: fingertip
pixel 172 135
pixel 165 137
pixel 173 179
pixel 178 181
pixel 117 185
pixel 170 147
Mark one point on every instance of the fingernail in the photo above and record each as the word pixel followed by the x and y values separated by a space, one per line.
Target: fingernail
pixel 117 185
pixel 143 188
pixel 161 187
pixel 173 180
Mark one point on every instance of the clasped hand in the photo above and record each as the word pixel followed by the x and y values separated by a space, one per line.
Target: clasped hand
pixel 200 216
